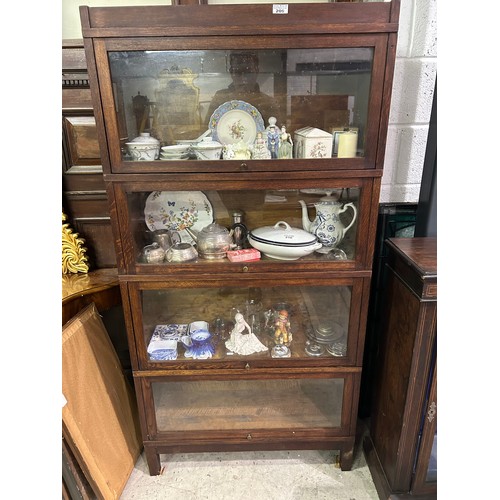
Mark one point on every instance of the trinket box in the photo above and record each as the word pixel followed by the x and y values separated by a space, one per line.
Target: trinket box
pixel 244 255
pixel 312 142
pixel 163 343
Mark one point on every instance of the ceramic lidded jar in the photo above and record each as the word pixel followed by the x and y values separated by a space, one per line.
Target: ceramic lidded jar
pixel 208 149
pixel 213 241
pixel 144 147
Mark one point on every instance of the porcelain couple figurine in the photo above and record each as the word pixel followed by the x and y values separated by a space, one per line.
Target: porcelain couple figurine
pixel 278 142
pixel 243 343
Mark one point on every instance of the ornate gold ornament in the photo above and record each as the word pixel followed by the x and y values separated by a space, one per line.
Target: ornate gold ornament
pixel 74 259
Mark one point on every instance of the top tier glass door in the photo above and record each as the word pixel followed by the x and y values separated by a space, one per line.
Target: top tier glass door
pixel 247 100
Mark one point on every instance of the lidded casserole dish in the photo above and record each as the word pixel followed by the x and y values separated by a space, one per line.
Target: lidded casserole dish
pixel 283 242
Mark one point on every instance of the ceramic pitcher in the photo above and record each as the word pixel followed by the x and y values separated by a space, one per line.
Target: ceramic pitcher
pixel 327 226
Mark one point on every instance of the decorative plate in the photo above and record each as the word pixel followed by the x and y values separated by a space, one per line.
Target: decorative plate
pixel 178 210
pixel 236 121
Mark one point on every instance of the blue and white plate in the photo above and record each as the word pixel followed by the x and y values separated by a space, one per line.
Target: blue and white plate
pixel 236 121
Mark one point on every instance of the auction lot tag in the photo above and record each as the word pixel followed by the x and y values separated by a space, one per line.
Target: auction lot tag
pixel 280 8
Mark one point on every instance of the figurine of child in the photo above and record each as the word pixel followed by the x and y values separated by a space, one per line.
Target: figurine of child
pixel 241 343
pixel 285 148
pixel 282 333
pixel 273 137
pixel 260 151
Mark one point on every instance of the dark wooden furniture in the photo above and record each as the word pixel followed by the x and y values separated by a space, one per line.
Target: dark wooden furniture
pixel 78 290
pixel 84 193
pixel 232 401
pixel 401 446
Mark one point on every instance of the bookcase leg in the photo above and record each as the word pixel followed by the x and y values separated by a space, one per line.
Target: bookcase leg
pixel 346 458
pixel 153 460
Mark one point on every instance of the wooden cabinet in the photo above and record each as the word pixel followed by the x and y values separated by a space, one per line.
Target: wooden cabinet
pixel 401 448
pixel 84 192
pixel 178 73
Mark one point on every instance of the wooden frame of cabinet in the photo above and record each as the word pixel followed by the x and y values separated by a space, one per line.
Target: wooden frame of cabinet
pixel 403 426
pixel 253 437
pixel 247 27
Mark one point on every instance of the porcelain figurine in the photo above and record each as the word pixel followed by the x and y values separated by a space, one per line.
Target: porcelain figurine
pixel 260 151
pixel 285 147
pixel 272 137
pixel 282 331
pixel 243 343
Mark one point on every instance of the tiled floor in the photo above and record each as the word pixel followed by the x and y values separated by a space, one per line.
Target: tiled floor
pixel 280 475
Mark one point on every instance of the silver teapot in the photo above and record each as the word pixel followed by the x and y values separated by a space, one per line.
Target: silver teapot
pixel 213 241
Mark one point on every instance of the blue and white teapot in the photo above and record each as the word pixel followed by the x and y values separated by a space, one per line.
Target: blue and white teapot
pixel 327 226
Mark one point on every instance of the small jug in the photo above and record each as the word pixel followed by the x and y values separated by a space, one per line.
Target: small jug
pixel 166 238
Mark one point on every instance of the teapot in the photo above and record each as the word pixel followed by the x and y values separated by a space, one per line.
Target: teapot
pixel 213 241
pixel 327 226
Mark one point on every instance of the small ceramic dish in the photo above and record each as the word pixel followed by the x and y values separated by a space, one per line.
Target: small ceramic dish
pixel 174 157
pixel 175 149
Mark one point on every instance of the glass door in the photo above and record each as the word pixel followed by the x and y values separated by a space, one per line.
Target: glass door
pixel 185 102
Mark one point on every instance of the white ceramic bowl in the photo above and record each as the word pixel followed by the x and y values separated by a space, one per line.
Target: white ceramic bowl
pixel 208 150
pixel 283 242
pixel 143 152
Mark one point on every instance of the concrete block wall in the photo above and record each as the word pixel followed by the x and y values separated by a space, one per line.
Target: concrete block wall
pixel 412 94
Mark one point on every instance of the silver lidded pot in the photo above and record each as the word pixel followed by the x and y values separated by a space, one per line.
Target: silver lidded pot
pixel 213 241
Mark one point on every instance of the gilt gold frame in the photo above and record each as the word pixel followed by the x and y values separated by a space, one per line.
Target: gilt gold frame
pixel 74 259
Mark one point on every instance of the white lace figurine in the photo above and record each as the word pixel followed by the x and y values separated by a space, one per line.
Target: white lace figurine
pixel 260 151
pixel 243 343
